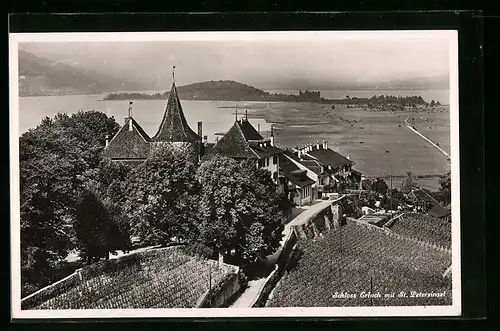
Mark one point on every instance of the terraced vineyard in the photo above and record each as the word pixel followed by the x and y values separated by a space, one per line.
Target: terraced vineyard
pixel 164 278
pixel 424 228
pixel 357 259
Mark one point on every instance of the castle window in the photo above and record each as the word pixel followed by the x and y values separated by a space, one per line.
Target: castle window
pixel 267 161
pixel 275 159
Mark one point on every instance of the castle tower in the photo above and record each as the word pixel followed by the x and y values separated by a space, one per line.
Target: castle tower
pixel 174 128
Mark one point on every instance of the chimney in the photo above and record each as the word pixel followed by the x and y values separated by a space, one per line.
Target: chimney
pixel 272 134
pixel 349 156
pixel 317 144
pixel 200 129
pixel 326 144
pixel 258 127
pixel 107 140
pixel 205 140
pixel 299 153
pixel 130 115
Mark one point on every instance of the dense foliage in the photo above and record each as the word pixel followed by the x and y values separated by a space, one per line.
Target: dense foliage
pixel 445 187
pixel 241 208
pixel 355 259
pixel 52 158
pixel 161 198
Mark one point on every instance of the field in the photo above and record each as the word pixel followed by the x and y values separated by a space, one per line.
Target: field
pixel 356 259
pixel 378 142
pixel 424 228
pixel 163 278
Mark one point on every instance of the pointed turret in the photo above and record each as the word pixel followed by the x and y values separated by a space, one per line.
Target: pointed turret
pixel 174 127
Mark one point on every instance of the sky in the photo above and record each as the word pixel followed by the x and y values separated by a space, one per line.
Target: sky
pixel 262 63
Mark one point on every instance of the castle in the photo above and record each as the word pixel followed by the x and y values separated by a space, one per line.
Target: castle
pixel 132 145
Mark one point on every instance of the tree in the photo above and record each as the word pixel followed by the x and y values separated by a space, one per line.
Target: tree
pixel 52 158
pixel 423 205
pixel 49 162
pixel 95 230
pixel 241 209
pixel 393 199
pixel 162 197
pixel 379 186
pixel 408 183
pixel 445 187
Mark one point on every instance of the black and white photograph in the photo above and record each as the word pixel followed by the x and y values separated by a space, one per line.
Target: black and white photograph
pixel 234 174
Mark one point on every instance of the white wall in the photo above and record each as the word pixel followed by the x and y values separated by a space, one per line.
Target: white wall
pixel 270 166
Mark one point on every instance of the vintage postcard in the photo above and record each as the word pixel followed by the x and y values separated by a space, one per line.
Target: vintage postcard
pixel 235 174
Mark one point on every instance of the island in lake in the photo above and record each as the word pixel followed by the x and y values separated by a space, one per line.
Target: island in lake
pixel 226 90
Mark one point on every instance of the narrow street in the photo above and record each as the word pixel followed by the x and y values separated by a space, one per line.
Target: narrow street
pixel 247 298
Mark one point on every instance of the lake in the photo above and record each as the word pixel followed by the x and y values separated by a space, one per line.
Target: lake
pixel 148 113
pixel 378 142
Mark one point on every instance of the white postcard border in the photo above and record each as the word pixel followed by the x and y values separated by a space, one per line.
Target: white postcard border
pixel 17 313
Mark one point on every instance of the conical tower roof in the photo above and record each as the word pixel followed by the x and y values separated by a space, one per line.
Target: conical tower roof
pixel 174 127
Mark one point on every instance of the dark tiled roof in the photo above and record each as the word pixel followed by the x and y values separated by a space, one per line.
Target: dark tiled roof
pixel 290 169
pixel 128 144
pixel 437 210
pixel 233 144
pixel 306 161
pixel 330 157
pixel 157 278
pixel 249 131
pixel 174 127
pixel 264 151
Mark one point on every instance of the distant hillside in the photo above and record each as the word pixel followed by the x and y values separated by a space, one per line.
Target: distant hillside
pixel 40 77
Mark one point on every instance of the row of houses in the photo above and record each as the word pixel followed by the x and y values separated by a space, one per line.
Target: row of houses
pixel 303 173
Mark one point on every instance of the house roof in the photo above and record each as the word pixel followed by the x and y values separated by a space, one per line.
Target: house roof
pixel 330 157
pixel 174 127
pixel 108 284
pixel 128 144
pixel 424 228
pixel 290 169
pixel 264 151
pixel 249 131
pixel 242 141
pixel 306 161
pixel 233 144
pixel 437 210
pixel 391 265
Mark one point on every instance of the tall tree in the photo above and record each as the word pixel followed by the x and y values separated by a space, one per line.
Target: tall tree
pixel 95 230
pixel 162 197
pixel 242 209
pixel 445 187
pixel 52 157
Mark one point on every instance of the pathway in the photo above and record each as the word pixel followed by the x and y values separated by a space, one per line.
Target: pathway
pixel 247 298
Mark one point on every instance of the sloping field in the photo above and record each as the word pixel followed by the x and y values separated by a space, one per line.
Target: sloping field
pixel 357 259
pixel 161 278
pixel 424 228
